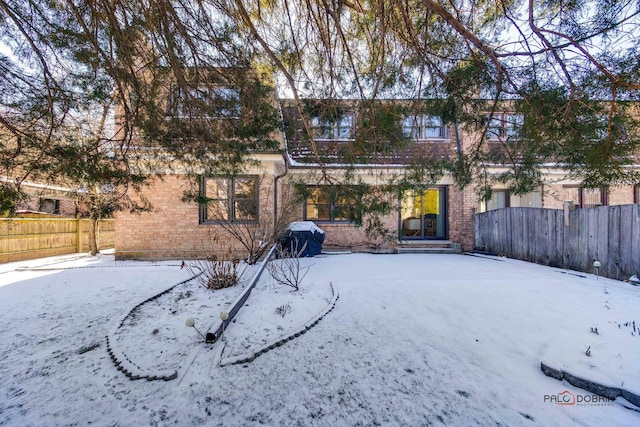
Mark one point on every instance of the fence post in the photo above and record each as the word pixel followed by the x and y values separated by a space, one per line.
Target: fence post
pixel 78 236
pixel 567 206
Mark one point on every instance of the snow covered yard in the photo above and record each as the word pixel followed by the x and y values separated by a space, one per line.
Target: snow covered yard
pixel 413 340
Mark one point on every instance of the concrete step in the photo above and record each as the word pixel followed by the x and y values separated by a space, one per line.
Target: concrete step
pixel 426 248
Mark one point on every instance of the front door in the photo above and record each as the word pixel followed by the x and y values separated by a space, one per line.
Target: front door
pixel 423 214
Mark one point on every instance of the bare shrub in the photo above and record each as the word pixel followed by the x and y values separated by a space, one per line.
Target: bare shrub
pixel 214 272
pixel 256 237
pixel 284 309
pixel 286 270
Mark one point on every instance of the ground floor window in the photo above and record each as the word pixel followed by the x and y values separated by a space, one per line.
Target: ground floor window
pixel 51 206
pixel 585 197
pixel 423 214
pixel 499 199
pixel 592 197
pixel 229 199
pixel 326 203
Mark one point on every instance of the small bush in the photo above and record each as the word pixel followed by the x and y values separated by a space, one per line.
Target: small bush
pixel 217 273
pixel 284 309
pixel 286 270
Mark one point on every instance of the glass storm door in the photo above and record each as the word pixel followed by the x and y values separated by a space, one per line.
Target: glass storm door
pixel 423 214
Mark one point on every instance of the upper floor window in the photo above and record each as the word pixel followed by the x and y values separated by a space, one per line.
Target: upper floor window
pixel 603 128
pixel 205 101
pixel 340 128
pixel 229 199
pixel 504 126
pixel 422 127
pixel 323 204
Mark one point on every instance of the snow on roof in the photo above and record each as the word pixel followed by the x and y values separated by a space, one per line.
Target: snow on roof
pixel 305 226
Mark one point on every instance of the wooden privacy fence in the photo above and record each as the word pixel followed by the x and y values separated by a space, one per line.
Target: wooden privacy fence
pixel 573 239
pixel 29 238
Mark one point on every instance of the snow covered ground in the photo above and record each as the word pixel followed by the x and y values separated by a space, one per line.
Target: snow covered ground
pixel 413 340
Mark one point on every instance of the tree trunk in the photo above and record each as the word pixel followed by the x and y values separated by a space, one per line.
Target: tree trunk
pixel 93 243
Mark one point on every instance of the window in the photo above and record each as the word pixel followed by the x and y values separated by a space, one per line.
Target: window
pixel 585 197
pixel 340 128
pixel 592 197
pixel 205 101
pixel 636 193
pixel 424 127
pixel 512 125
pixel 51 206
pixel 499 199
pixel 504 126
pixel 571 193
pixel 234 199
pixel 324 204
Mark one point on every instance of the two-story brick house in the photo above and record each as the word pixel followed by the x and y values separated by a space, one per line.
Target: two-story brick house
pixel 325 149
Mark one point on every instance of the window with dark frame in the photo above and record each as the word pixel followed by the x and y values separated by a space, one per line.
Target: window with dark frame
pixel 636 193
pixel 586 197
pixel 51 206
pixel 324 204
pixel 593 197
pixel 229 199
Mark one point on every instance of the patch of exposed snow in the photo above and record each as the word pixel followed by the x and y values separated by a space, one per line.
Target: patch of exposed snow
pixel 305 226
pixel 414 339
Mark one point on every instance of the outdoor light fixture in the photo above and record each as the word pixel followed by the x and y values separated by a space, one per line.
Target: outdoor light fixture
pixel 597 265
pixel 191 323
pixel 224 316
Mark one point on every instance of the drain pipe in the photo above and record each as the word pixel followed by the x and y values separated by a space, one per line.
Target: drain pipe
pixel 275 189
pixel 285 157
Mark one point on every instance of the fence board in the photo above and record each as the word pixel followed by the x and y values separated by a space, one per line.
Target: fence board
pixel 625 240
pixel 610 234
pixel 517 226
pixel 543 231
pixel 29 238
pixel 547 237
pixel 635 241
pixel 612 262
pixel 582 258
pixel 571 236
pixel 603 235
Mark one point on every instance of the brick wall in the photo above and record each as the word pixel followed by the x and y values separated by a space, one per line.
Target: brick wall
pixel 556 194
pixel 66 206
pixel 622 195
pixel 462 205
pixel 172 230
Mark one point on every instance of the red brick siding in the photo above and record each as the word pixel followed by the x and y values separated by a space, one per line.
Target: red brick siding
pixel 462 205
pixel 555 195
pixel 172 229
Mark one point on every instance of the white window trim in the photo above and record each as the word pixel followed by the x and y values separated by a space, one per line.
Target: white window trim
pixel 334 127
pixel 420 121
pixel 505 126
